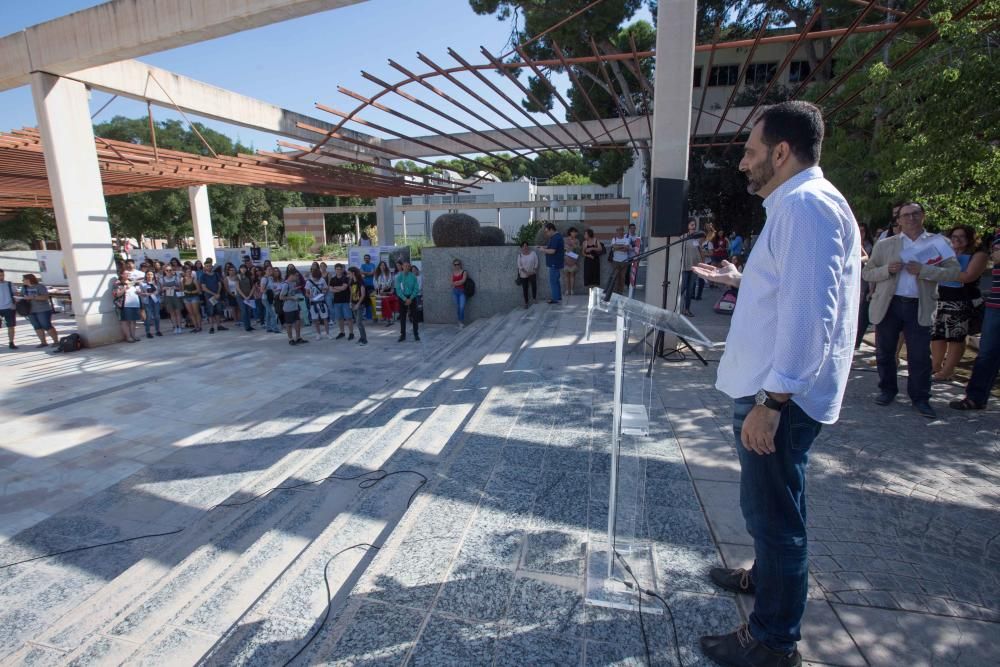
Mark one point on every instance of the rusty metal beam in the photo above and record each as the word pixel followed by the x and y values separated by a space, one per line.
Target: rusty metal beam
pixel 548 84
pixel 583 91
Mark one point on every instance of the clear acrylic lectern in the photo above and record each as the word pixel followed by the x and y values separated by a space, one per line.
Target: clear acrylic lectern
pixel 637 325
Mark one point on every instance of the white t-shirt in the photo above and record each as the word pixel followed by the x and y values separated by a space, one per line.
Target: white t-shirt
pixel 927 249
pixel 136 274
pixel 621 255
pixel 316 289
pixel 131 297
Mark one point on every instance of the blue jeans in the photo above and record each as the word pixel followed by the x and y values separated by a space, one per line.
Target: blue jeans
pixel 260 312
pixel 554 284
pixel 270 317
pixel 773 500
pixel 984 372
pixel 459 295
pixel 245 313
pixel 689 285
pixel 152 314
pixel 902 318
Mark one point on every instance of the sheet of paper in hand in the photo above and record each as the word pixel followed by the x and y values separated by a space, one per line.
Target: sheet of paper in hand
pixel 925 254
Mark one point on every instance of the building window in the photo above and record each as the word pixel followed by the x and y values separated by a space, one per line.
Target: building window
pixel 798 70
pixel 724 75
pixel 760 74
pixel 697 77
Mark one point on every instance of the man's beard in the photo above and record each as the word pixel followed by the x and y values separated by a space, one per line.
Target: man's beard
pixel 760 176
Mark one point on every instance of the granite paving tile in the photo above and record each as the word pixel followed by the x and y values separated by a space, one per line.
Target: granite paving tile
pixel 685 568
pixel 515 649
pixel 514 479
pixel 555 551
pixel 666 494
pixel 261 641
pixel 555 608
pixel 447 642
pixel 478 593
pixel 562 497
pixel 677 526
pixel 375 634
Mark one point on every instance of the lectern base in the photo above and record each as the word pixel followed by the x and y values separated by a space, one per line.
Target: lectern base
pixel 605 591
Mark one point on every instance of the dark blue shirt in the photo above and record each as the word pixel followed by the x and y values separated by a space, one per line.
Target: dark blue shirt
pixel 211 280
pixel 555 260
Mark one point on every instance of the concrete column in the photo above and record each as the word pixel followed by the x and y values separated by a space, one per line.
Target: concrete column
pixel 385 217
pixel 201 217
pixel 675 42
pixel 63 113
pixel 404 226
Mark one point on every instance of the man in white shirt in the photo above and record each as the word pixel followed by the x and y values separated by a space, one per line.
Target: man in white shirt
pixel 134 274
pixel 787 359
pixel 621 250
pixel 906 269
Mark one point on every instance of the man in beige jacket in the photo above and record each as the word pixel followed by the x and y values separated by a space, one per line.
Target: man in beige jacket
pixel 906 269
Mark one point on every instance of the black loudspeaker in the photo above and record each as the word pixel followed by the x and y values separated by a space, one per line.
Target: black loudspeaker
pixel 670 207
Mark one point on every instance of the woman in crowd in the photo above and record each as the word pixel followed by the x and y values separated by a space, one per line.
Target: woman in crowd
pixel 229 292
pixel 592 251
pixel 956 302
pixel 385 292
pixel 127 300
pixel 359 298
pixel 244 296
pixel 270 284
pixel 458 277
pixel 572 246
pixel 317 290
pixel 720 247
pixel 170 288
pixel 290 294
pixel 41 309
pixel 706 253
pixel 191 290
pixel 149 292
pixel 199 269
pixel 690 256
pixel 527 271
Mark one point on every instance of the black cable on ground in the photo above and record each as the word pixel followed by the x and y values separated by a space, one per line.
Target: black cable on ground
pixel 666 606
pixel 329 599
pixel 367 482
pixel 642 623
pixel 93 546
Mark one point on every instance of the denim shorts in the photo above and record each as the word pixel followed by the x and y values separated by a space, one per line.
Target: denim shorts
pixel 41 320
pixel 127 315
pixel 9 316
pixel 342 311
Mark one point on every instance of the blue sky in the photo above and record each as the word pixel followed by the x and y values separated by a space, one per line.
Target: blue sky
pixel 297 63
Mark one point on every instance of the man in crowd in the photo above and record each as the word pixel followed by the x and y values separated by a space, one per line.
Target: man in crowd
pixel 134 274
pixel 8 315
pixel 368 273
pixel 984 372
pixel 554 251
pixel 906 269
pixel 340 285
pixel 211 288
pixel 787 359
pixel 408 290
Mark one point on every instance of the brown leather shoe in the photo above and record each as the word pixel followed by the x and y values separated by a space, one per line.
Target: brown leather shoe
pixel 736 580
pixel 740 649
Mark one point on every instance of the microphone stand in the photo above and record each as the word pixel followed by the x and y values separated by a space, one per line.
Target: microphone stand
pixel 627 266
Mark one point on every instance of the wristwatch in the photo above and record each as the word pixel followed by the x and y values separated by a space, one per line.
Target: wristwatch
pixel 763 398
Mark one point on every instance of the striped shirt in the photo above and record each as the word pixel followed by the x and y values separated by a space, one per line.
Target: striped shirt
pixel 993 296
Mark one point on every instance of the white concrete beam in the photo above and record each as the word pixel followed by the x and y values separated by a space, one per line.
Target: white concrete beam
pixel 122 29
pixel 530 136
pixel 139 81
pixel 201 219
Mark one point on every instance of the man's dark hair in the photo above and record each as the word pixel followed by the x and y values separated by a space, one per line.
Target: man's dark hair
pixel 798 123
pixel 549 225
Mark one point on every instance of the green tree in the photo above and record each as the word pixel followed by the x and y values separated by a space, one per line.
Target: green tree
pixel 566 178
pixel 29 225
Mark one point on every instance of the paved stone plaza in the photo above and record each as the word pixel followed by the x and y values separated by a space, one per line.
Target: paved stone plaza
pixel 509 421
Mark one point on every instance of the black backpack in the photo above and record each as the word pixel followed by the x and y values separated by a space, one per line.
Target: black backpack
pixel 469 286
pixel 70 343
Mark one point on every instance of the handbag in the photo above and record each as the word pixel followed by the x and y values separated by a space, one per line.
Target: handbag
pixel 23 308
pixel 518 280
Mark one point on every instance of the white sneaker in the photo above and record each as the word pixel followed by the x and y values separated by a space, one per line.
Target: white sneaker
pixel 461 325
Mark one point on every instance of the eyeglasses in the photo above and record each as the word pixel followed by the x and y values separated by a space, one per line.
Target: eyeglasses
pixel 914 214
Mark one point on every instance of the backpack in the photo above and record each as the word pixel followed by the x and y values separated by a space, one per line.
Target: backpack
pixel 726 303
pixel 70 343
pixel 469 286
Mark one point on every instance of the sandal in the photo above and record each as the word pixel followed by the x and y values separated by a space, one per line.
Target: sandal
pixel 966 404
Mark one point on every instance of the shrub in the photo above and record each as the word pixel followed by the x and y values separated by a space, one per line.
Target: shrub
pixel 417 245
pixel 529 233
pixel 332 250
pixel 279 254
pixel 455 230
pixel 492 236
pixel 562 228
pixel 14 244
pixel 299 243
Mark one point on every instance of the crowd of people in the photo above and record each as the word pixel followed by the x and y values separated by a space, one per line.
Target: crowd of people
pixel 194 296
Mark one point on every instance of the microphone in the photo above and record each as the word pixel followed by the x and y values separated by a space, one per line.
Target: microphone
pixel 698 234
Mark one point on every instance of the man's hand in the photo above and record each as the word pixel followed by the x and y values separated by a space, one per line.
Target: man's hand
pixel 913 268
pixel 408 302
pixel 757 434
pixel 724 274
pixel 895 267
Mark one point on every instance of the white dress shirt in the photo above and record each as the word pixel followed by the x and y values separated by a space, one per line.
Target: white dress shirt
pixel 928 248
pixel 796 315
